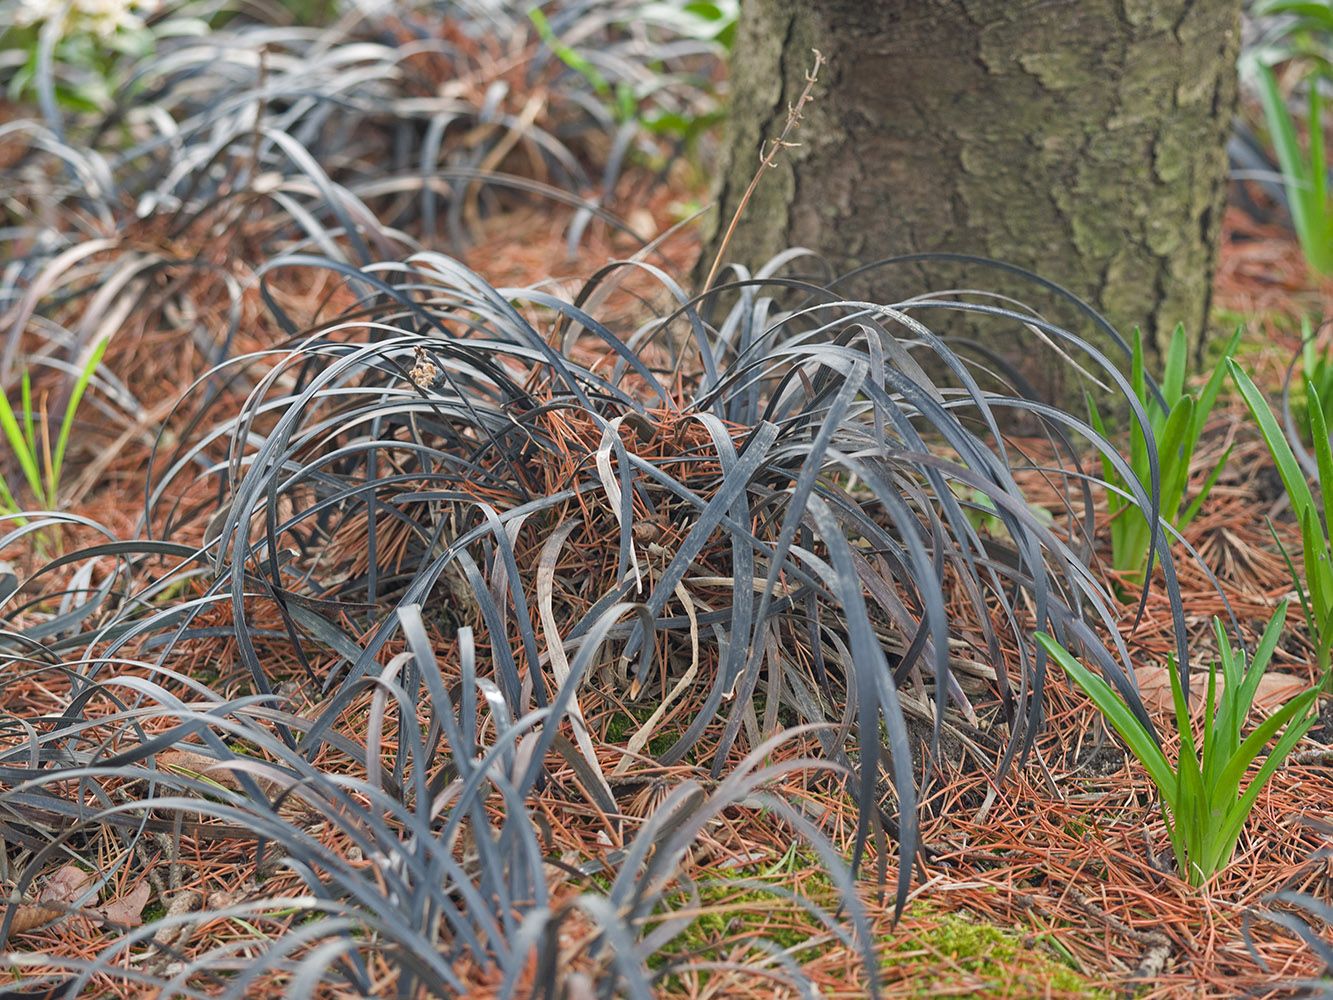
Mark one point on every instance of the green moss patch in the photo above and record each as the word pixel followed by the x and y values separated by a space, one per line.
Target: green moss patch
pixel 959 955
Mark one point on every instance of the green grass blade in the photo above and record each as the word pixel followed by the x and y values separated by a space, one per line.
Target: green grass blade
pixel 1301 595
pixel 1113 501
pixel 1287 466
pixel 1193 802
pixel 1231 717
pixel 1122 720
pixel 10 504
pixel 1174 457
pixel 1310 361
pixel 1181 703
pixel 1141 436
pixel 1318 572
pixel 1263 652
pixel 1323 451
pixel 1208 397
pixel 22 451
pixel 1193 509
pixel 1249 749
pixel 1214 721
pixel 1295 174
pixel 1320 251
pixel 570 57
pixel 1319 15
pixel 25 402
pixel 1224 842
pixel 67 424
pixel 1173 378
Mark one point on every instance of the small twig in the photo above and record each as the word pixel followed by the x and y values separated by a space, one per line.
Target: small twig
pixel 1307 758
pixel 1156 945
pixel 769 160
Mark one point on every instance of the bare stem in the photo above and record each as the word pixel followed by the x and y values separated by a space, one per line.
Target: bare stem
pixel 769 160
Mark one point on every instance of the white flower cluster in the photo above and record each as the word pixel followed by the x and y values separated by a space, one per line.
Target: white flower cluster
pixel 102 18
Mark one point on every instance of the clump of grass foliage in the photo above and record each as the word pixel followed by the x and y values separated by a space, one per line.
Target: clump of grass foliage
pixel 1301 35
pixel 431 470
pixel 396 128
pixel 1201 797
pixel 26 428
pixel 1177 420
pixel 463 518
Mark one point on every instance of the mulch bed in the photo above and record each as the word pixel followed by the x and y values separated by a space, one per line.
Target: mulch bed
pixel 1069 853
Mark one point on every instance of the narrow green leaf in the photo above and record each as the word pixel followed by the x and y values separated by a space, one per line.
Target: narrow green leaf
pixel 1140 436
pixel 1234 820
pixel 1109 473
pixel 67 424
pixel 1214 719
pixel 1263 652
pixel 1121 718
pixel 1318 572
pixel 24 454
pixel 1231 720
pixel 11 505
pixel 1288 148
pixel 1208 397
pixel 1323 451
pixel 1173 378
pixel 1287 466
pixel 1193 800
pixel 1291 571
pixel 1207 487
pixel 1174 457
pixel 25 402
pixel 1318 14
pixel 1320 251
pixel 1310 362
pixel 1177 843
pixel 1249 749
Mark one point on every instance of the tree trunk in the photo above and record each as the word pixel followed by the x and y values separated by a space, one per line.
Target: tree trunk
pixel 1082 139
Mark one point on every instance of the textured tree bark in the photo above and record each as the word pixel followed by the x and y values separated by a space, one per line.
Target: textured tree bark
pixel 1083 139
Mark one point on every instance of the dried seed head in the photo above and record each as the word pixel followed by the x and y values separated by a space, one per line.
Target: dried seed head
pixel 424 374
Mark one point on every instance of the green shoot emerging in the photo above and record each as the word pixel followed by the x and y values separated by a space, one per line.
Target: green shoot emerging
pixel 27 431
pixel 1316 593
pixel 1202 800
pixel 1176 421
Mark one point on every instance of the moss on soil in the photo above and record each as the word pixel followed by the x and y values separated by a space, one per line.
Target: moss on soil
pixel 952 954
pixel 987 960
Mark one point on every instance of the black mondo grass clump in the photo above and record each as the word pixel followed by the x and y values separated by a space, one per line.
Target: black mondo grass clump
pixel 389 129
pixel 429 875
pixel 231 136
pixel 492 528
pixel 227 136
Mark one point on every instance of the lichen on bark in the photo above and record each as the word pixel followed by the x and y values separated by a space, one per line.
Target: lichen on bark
pixel 1082 139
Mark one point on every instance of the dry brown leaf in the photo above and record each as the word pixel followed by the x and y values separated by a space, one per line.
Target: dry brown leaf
pixel 29 916
pixel 66 885
pixel 127 910
pixel 1275 690
pixel 54 901
pixel 221 900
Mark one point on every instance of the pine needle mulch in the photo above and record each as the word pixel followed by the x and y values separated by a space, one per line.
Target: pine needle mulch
pixel 1054 883
pixel 1069 856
